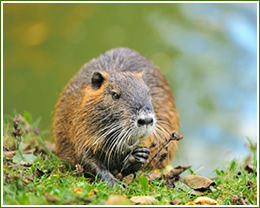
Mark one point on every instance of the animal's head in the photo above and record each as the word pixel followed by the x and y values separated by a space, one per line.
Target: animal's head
pixel 120 110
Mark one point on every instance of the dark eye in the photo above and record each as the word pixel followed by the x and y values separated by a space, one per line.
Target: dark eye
pixel 115 96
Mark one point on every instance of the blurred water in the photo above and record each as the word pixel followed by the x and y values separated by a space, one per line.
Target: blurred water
pixel 207 51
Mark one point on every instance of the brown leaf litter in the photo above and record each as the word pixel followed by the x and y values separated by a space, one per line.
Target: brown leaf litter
pixel 51 198
pixel 117 200
pixel 198 183
pixel 250 169
pixel 239 197
pixel 79 170
pixel 142 200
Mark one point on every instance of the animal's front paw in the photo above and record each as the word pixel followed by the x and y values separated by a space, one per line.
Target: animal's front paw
pixel 140 155
pixel 135 160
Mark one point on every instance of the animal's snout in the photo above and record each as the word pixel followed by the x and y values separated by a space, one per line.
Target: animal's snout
pixel 146 121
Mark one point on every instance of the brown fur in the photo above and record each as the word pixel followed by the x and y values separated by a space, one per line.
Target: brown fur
pixel 76 119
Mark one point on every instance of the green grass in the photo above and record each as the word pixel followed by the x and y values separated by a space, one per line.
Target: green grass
pixel 58 184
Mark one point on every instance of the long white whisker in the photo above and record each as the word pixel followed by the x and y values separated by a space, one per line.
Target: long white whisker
pixel 121 143
pixel 161 133
pixel 124 140
pixel 163 130
pixel 112 141
pixel 102 137
pixel 113 131
pixel 113 145
pixel 164 122
pixel 157 137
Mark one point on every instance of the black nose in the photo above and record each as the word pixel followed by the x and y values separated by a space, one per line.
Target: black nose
pixel 145 121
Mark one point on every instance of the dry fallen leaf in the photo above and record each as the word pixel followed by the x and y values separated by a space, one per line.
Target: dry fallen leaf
pixel 143 200
pixel 153 176
pixel 175 202
pixel 236 198
pixel 129 178
pixel 38 173
pixel 250 168
pixel 19 165
pixel 171 182
pixel 180 186
pixel 29 151
pixel 119 176
pixel 250 184
pixel 77 190
pixel 51 198
pixel 117 200
pixel 176 171
pixel 91 193
pixel 85 200
pixel 156 171
pixel 79 170
pixel 26 179
pixel 198 182
pixel 206 201
pixel 30 177
pixel 9 154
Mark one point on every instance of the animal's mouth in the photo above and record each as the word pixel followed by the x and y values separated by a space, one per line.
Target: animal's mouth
pixel 133 142
pixel 138 135
pixel 136 140
pixel 130 145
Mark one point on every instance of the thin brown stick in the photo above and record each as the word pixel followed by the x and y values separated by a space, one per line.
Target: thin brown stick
pixel 174 136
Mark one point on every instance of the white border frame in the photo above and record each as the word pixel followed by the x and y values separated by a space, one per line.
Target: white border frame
pixel 136 2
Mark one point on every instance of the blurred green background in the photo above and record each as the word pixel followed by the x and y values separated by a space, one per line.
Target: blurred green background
pixel 208 52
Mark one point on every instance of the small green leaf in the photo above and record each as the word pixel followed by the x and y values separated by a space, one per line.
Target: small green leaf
pixel 29 157
pixel 217 172
pixel 27 116
pixel 144 184
pixel 33 168
pixel 233 165
pixel 191 171
pixel 17 157
pixel 23 158
pixel 251 143
pixel 252 147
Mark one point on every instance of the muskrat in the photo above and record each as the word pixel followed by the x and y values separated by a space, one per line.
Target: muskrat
pixel 113 116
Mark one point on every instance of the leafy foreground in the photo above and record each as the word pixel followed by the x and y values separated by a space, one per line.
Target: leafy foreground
pixel 33 175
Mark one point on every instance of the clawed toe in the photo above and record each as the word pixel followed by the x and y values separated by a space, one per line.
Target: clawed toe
pixel 141 154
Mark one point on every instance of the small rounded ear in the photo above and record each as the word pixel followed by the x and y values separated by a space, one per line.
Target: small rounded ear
pixel 97 80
